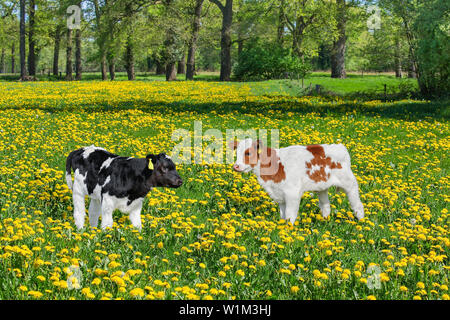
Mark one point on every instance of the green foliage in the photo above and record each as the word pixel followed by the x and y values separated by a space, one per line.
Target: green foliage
pixel 426 26
pixel 432 27
pixel 269 61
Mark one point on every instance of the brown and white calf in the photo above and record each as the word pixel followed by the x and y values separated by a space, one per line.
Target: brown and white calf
pixel 287 173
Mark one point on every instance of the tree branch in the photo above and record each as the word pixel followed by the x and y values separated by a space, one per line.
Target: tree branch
pixel 219 4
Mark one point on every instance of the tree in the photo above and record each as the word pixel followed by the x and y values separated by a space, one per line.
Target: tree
pixel 31 39
pixel 57 41
pixel 129 46
pixel 8 33
pixel 192 46
pixel 281 22
pixel 69 69
pixel 425 25
pixel 101 35
pixel 339 45
pixel 78 66
pixel 225 42
pixel 304 19
pixel 23 70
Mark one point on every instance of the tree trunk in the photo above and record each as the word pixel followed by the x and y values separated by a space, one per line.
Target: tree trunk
pixel 298 35
pixel 103 67
pixel 78 67
pixel 2 61
pixel 23 69
pixel 31 42
pixel 190 65
pixel 160 68
pixel 182 65
pixel 129 47
pixel 129 58
pixel 13 58
pixel 398 59
pixel 171 71
pixel 338 51
pixel 412 72
pixel 69 69
pixel 56 50
pixel 225 42
pixel 281 23
pixel 112 70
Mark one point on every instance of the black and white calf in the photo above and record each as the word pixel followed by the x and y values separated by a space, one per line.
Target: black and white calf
pixel 114 182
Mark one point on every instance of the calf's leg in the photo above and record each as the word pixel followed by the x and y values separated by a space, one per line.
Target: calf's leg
pixel 282 206
pixel 324 203
pixel 292 204
pixel 95 209
pixel 352 191
pixel 107 212
pixel 79 209
pixel 135 217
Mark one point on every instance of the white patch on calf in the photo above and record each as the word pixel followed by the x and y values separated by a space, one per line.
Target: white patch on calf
pixel 107 163
pixel 89 150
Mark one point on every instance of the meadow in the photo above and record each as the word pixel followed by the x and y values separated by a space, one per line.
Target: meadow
pixel 219 236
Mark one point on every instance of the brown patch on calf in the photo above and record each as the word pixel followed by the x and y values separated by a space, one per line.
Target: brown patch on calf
pixel 270 166
pixel 251 155
pixel 322 161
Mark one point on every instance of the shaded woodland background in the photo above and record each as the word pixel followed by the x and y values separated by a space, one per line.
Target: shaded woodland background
pixel 241 39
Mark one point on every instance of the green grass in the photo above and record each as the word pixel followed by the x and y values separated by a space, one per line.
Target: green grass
pixel 352 84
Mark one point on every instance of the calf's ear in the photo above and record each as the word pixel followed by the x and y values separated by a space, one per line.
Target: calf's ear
pixel 152 157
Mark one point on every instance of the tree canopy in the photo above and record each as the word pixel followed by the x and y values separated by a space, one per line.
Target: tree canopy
pixel 174 37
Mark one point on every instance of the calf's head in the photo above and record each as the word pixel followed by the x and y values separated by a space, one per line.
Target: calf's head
pixel 246 154
pixel 164 171
pixel 251 154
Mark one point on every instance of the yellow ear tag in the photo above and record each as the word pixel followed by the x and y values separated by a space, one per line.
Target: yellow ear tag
pixel 150 164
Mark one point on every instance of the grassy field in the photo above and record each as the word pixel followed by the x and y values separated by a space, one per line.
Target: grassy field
pixel 219 236
pixel 355 82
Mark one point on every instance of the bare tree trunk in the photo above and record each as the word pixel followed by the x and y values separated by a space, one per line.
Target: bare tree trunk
pixel 129 58
pixel 78 67
pixel 190 65
pixel 339 46
pixel 398 58
pixel 103 67
pixel 69 69
pixel 412 72
pixel 13 58
pixel 171 71
pixel 281 23
pixel 2 61
pixel 129 48
pixel 112 69
pixel 160 68
pixel 23 69
pixel 56 50
pixel 225 42
pixel 181 69
pixel 31 42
